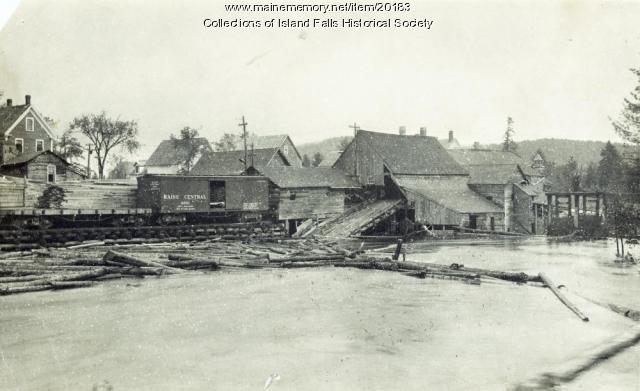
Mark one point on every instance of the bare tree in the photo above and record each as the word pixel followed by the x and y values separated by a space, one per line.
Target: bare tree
pixel 106 134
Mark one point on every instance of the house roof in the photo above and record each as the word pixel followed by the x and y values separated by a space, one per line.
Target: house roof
pixel 172 152
pixel 11 115
pixel 273 141
pixel 292 177
pixel 492 167
pixel 27 157
pixel 229 163
pixel 452 193
pixel 411 155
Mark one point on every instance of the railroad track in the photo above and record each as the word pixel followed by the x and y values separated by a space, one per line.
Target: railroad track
pixel 15 239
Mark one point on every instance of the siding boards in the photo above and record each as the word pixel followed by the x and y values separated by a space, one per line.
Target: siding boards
pixel 309 203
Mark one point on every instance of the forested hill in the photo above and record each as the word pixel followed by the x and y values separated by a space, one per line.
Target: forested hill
pixel 559 150
pixel 325 147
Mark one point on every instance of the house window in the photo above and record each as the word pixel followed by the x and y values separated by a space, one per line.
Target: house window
pixel 39 145
pixel 286 150
pixel 29 124
pixel 51 173
pixel 292 196
pixel 51 145
pixel 19 145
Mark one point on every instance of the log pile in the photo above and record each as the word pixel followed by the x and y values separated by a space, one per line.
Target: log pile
pixel 84 264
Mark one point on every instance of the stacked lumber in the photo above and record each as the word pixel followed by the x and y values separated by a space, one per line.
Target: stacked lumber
pixel 11 192
pixel 99 195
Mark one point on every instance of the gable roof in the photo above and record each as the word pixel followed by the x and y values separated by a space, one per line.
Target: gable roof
pixel 452 193
pixel 292 177
pixel 10 116
pixel 274 141
pixel 487 166
pixel 230 162
pixel 27 157
pixel 411 155
pixel 172 152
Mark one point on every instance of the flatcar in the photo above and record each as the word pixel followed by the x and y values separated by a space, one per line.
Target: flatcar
pixel 175 199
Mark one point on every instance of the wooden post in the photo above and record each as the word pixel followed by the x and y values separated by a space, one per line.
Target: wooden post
pixel 396 255
pixel 535 219
pixel 598 204
pixel 549 199
pixel 576 215
pixel 584 205
pixel 557 206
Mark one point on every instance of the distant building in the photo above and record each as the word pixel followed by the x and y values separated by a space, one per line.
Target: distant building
pixel 538 162
pixel 170 155
pixel 232 162
pixel 23 130
pixel 43 166
pixel 450 142
pixel 281 142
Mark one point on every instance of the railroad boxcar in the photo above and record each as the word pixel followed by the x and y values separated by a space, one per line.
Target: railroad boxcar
pixel 180 199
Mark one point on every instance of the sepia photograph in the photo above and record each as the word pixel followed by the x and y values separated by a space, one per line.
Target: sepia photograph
pixel 293 195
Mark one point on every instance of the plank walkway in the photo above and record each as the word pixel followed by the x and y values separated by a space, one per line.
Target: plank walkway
pixel 360 219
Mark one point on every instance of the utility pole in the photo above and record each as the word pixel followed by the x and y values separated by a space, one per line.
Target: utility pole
pixel 252 154
pixel 244 137
pixel 355 128
pixel 89 152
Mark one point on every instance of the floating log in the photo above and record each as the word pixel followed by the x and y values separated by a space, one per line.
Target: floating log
pixel 423 274
pixel 118 257
pixel 309 258
pixel 86 245
pixel 562 297
pixel 573 368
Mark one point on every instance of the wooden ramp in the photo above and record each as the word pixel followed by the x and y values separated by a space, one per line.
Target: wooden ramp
pixel 358 219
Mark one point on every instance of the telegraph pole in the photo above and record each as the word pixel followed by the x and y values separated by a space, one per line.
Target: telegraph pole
pixel 355 128
pixel 89 152
pixel 244 137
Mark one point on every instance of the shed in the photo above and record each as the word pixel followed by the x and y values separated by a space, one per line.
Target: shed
pixel 43 166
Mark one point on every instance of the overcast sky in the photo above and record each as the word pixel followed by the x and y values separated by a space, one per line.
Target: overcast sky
pixel 560 69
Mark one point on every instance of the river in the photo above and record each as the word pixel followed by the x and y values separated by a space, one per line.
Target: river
pixel 328 328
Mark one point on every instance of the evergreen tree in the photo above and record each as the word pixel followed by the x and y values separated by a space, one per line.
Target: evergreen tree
pixel 508 144
pixel 570 175
pixel 628 126
pixel 306 162
pixel 609 169
pixel 590 181
pixel 317 159
pixel 632 174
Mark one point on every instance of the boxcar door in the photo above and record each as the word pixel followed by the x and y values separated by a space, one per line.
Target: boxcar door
pixel 217 194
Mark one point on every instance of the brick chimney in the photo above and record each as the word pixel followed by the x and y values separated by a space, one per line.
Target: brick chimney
pixel 9 102
pixel 27 100
pixel 451 136
pixel 402 130
pixel 423 131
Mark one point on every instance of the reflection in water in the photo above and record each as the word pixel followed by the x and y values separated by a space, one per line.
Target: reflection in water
pixel 337 329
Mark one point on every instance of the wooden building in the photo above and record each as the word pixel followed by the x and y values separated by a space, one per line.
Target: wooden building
pixel 170 155
pixel 44 166
pixel 417 169
pixel 505 179
pixel 232 162
pixel 301 193
pixel 280 142
pixel 23 130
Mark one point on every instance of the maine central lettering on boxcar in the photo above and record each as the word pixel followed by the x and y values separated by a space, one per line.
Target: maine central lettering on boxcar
pixel 184 197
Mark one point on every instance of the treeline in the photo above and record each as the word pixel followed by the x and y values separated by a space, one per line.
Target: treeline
pixel 612 173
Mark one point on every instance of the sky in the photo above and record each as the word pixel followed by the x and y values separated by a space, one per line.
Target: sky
pixel 558 68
